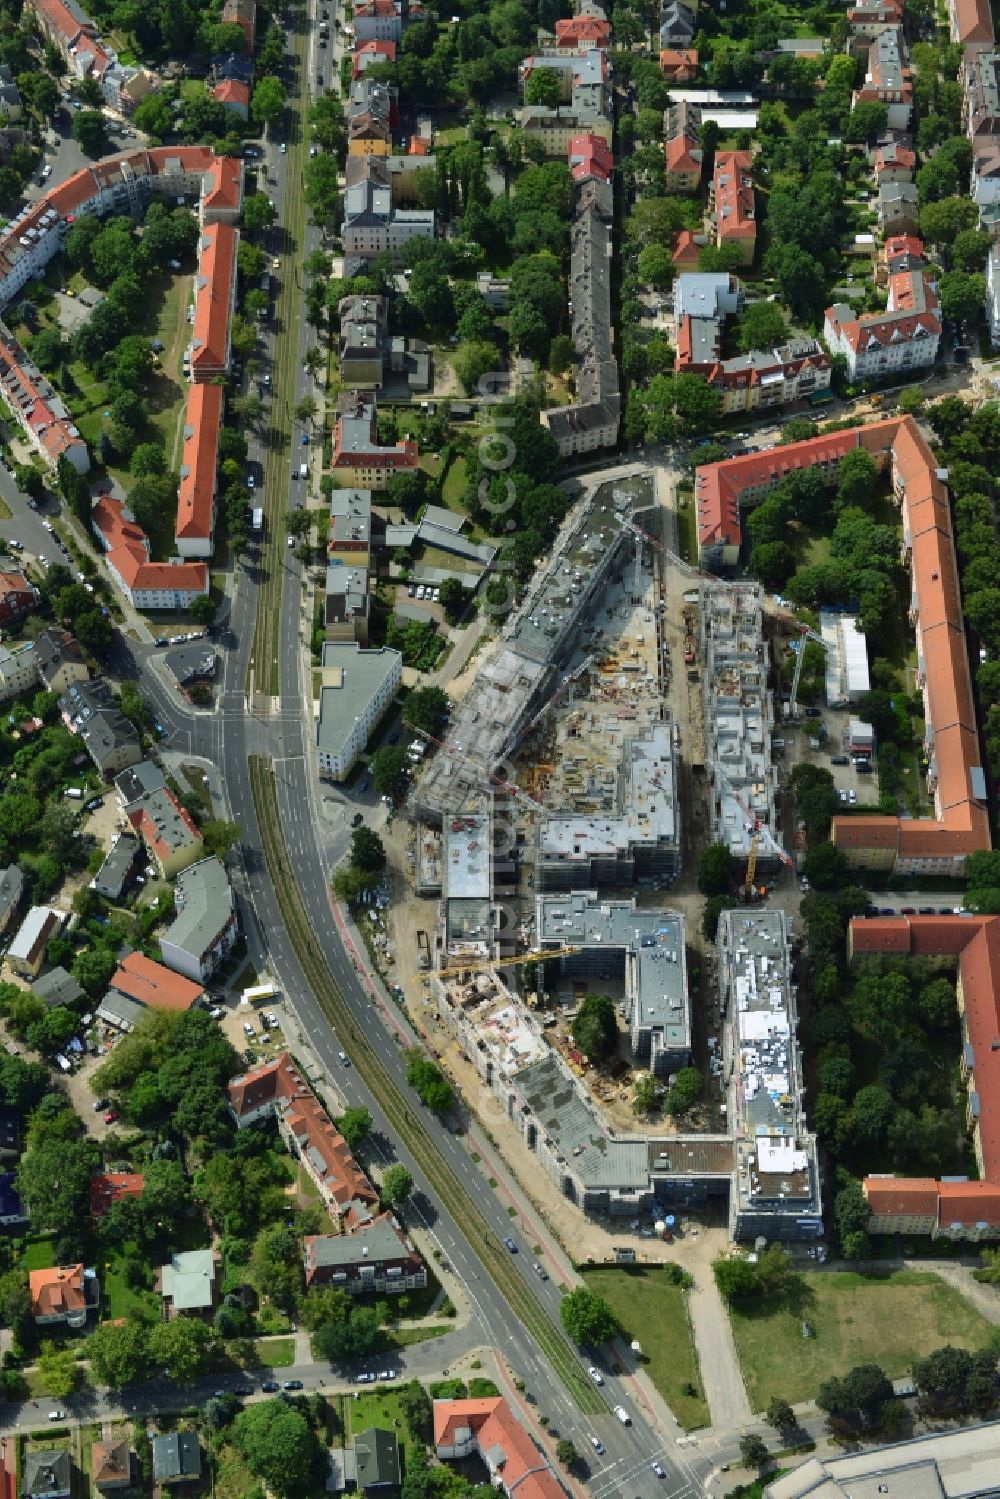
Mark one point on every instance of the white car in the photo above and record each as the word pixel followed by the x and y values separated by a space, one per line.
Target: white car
pixel 595 1375
pixel 623 1415
pixel 57 1416
pixel 48 526
pixel 387 1374
pixel 291 541
pixel 597 1445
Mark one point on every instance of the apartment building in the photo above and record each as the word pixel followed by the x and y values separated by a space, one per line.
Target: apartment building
pixel 167 830
pixel 555 127
pixel 970 21
pixel 42 415
pixel 733 214
pixel 376 1259
pixel 205 928
pixel 904 337
pixel 993 293
pixel 17 598
pixel 888 79
pixel 18 669
pixel 898 208
pixel 146 585
pixel 194 532
pixel 892 162
pixel 489 1430
pixel 358 458
pixel 111 740
pixel 357 687
pixel 363 322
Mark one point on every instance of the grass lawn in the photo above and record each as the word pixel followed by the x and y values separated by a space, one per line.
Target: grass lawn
pixel 889 1319
pixel 687 528
pixel 37 1254
pixel 276 1353
pixel 193 776
pixel 655 1312
pixel 454 484
pixel 405 1337
pixel 377 1408
pixel 119 1300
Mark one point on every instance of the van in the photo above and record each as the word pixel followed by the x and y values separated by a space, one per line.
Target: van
pixel 75 793
pixel 303 470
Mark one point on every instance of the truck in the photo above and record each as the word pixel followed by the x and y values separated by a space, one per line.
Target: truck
pixel 424 949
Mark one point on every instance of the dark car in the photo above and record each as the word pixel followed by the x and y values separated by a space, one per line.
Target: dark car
pixel 887 910
pixel 907 910
pixel 293 1384
pixel 510 1244
pixel 813 712
pixel 863 767
pixel 243 1390
pixel 270 1386
pixel 357 820
pixel 839 760
pixel 926 911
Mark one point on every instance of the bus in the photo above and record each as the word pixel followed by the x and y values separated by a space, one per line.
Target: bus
pixel 257 520
pixel 258 994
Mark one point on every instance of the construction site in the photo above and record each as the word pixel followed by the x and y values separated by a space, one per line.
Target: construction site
pixel 548 829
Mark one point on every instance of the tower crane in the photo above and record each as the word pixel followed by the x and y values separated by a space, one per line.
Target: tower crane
pixel 490 965
pixel 761 834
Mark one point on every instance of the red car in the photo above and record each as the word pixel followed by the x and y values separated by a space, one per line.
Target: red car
pixel 111 1117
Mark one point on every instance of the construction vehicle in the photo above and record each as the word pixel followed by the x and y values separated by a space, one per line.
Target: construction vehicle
pixel 761 834
pixel 491 965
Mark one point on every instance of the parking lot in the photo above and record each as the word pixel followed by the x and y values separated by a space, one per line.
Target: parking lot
pixel 820 737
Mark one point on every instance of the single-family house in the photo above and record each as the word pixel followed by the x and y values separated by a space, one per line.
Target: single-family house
pixel 27 951
pixel 188 1283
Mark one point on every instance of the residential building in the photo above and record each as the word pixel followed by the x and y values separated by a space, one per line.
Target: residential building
pixel 242 13
pixel 892 162
pixel 583 31
pixel 10 1133
pixel 495 290
pixel 109 1187
pixel 194 533
pixel 687 248
pixel 42 414
pixel 959 1464
pixel 11 894
pixel 357 686
pixel 277 1090
pixel 993 293
pixel 119 867
pixel 27 951
pixel 378 20
pixel 12 1211
pixel 110 739
pixel 868 17
pixel 188 1283
pixel 349 539
pixel 18 669
pixel 583 75
pixel 888 79
pixel 121 1013
pixel 985 185
pixel 684 156
pixel 679 65
pixel 59 660
pixel 591 422
pixel 765 379
pixel 146 585
pixel 154 986
pixel 346 604
pixel 47 1473
pixel 62 1295
pixel 10 97
pixel 369 54
pixel 362 340
pixel 376 1259
pixel 176 1457
pixel 732 203
pixel 970 21
pixel 776 1191
pixel 898 208
pixel 376 1455
pixel 678 23
pixel 359 459
pixel 904 337
pixel 233 94
pixel 214 302
pixel 167 830
pixel 489 1430
pixel 555 127
pixel 205 929
pixel 590 156
pixel 137 782
pixel 980 91
pixel 57 987
pixel 17 597
pixel 111 1465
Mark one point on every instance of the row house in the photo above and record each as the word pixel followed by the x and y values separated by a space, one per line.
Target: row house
pixel 888 79
pixel 359 459
pixel 40 412
pixel 970 21
pixel 194 531
pixel 892 162
pixel 555 127
pixel 868 18
pixel 765 379
pixel 75 35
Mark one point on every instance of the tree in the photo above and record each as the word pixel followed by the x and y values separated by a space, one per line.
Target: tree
pixel 305 410
pixel 715 870
pixel 53 1179
pixel 153 116
pixel 474 359
pixel 418 1413
pixel 89 130
pixel 119 1352
pixel 595 1027
pixel 15 1307
pixel 367 850
pixel 735 1277
pixel 390 770
pixel 58 1370
pixel 863 1392
pixel 355 1125
pixel 427 708
pixel 428 1081
pixel 397 1184
pixel 587 1318
pixel 268 102
pixel 220 837
pixel 656 267
pixel 203 610
pixel 356 1336
pixel 943 221
pixel 183 1345
pixel 962 295
pixel 645 1095
pixel 761 326
pixel 781 1416
pixel 753 1449
pixel 685 1091
pixel 566 1452
pixel 543 87
pixel 280 1447
pixel 453 599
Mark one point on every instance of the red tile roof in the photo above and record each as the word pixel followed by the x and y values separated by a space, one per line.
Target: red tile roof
pixel 369 52
pixel 151 984
pixel 679 64
pixel 109 1187
pixel 222 192
pixel 734 204
pixel 60 19
pixel 199 460
pixel 583 31
pixel 910 1196
pixel 590 156
pixel 975 940
pixel 278 1084
pixel 515 1461
pixel 142 819
pixel 213 301
pixel 232 91
pixel 973 21
pixel 681 157
pixel 418 146
pixel 57 1291
pixel 128 553
pixel 688 246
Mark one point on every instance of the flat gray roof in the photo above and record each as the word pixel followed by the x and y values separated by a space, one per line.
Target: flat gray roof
pixel 467 857
pixel 363 674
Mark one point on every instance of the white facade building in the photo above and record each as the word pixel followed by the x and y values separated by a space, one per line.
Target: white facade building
pixel 357 688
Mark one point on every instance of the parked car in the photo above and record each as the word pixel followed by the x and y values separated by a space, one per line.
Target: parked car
pixel 111 1117
pixel 101 1103
pixel 293 1384
pixel 57 1415
pixel 386 1374
pixel 270 1386
pixel 366 1377
pixel 839 760
pixel 357 820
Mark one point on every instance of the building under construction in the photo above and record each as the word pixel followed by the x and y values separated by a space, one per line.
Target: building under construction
pixel 738 717
pixel 556 617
